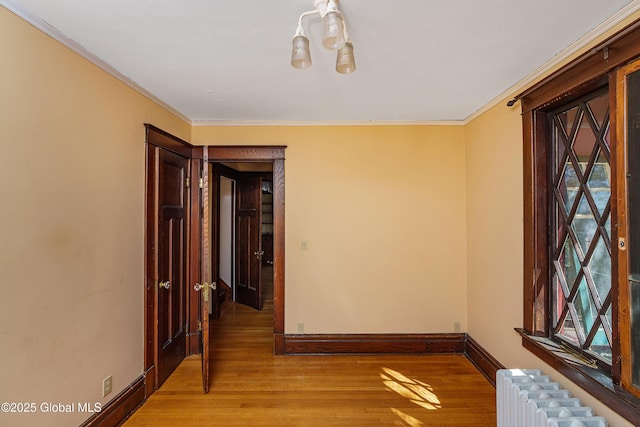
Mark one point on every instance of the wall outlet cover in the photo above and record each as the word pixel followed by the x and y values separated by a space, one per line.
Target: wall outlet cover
pixel 107 385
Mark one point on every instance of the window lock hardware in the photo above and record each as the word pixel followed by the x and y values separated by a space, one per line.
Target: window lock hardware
pixel 622 244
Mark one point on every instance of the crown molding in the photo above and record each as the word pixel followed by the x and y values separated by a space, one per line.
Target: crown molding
pixel 55 34
pixel 579 46
pixel 212 123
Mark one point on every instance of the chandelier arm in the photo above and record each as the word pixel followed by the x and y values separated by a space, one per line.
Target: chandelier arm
pixel 347 39
pixel 299 29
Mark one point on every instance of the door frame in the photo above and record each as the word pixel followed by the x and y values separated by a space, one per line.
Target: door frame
pixel 226 171
pixel 220 171
pixel 249 153
pixel 261 154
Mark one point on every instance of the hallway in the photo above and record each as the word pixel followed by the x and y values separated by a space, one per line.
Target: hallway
pixel 251 387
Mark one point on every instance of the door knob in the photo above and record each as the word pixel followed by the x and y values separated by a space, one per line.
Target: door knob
pixel 200 286
pixel 258 254
pixel 165 285
pixel 205 286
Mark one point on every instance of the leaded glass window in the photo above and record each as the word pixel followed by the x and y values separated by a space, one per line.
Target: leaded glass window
pixel 580 226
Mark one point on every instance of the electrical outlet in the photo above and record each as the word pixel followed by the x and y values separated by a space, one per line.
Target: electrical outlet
pixel 107 385
pixel 456 326
pixel 304 245
pixel 301 328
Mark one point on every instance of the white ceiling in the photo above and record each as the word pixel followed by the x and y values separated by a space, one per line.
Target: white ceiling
pixel 218 61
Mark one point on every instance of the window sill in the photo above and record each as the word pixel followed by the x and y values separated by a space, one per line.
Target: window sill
pixel 591 379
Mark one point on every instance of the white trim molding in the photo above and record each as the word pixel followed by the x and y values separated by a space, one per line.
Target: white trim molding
pixel 197 123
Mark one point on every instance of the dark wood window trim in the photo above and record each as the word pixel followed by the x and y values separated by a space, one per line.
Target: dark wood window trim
pixel 594 69
pixel 591 379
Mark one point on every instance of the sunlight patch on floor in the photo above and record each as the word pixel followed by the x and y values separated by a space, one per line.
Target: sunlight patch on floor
pixel 416 391
pixel 407 419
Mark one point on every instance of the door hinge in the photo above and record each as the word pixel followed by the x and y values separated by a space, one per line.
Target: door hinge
pixel 199 326
pixel 187 182
pixel 201 183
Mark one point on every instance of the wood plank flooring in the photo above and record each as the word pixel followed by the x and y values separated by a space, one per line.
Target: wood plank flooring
pixel 252 387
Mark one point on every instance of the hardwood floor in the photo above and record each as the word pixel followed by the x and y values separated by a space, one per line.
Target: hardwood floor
pixel 252 387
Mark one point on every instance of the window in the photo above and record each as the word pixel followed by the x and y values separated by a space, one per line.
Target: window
pixel 628 82
pixel 580 225
pixel 582 222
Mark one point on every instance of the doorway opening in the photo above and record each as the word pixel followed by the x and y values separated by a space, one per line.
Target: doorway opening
pixel 242 220
pixel 187 214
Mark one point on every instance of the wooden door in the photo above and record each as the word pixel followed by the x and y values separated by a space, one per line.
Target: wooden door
pixel 170 302
pixel 205 287
pixel 248 242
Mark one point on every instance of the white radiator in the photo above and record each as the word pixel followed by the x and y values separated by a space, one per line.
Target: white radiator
pixel 528 398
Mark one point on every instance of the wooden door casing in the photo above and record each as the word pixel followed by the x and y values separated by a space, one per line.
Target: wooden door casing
pixel 157 138
pixel 274 154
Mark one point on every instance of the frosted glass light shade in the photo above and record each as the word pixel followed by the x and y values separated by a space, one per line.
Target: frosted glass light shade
pixel 345 63
pixel 332 31
pixel 300 54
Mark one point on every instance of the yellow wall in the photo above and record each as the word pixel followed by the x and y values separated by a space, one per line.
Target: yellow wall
pixel 495 244
pixel 494 178
pixel 494 228
pixel 71 225
pixel 382 209
pixel 409 228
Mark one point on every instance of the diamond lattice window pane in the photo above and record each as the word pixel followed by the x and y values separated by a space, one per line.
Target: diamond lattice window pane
pixel 599 183
pixel 560 236
pixel 568 186
pixel 568 330
pixel 600 345
pixel 584 224
pixel 560 156
pixel 585 308
pixel 600 269
pixel 584 144
pixel 568 264
pixel 580 226
pixel 568 119
pixel 599 108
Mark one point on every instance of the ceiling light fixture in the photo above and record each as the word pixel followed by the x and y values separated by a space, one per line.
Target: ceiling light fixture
pixel 334 37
